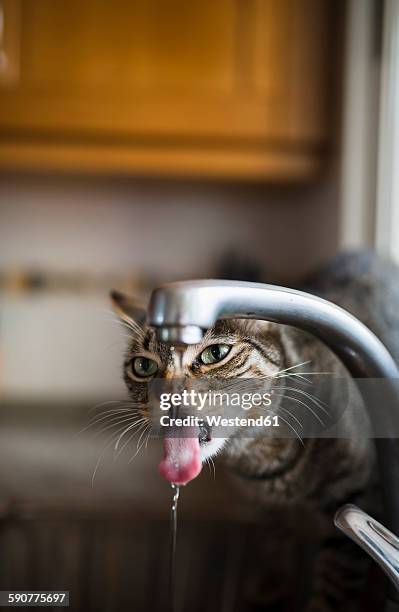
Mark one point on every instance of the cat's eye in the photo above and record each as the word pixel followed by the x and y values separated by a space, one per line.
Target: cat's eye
pixel 144 367
pixel 214 353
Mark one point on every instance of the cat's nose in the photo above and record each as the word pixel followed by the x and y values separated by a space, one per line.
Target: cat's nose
pixel 172 372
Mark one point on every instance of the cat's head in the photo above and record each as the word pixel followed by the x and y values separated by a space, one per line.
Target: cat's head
pixel 231 349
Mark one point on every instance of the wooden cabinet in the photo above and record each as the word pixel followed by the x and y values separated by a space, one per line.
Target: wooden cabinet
pixel 208 87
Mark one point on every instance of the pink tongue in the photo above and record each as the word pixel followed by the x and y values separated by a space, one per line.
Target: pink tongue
pixel 181 462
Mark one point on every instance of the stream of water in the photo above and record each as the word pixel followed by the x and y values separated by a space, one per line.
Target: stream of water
pixel 172 547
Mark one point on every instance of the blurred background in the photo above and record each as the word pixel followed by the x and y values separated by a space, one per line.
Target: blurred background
pixel 143 142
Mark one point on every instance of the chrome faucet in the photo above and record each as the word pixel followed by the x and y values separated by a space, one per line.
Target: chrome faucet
pixel 181 312
pixel 373 537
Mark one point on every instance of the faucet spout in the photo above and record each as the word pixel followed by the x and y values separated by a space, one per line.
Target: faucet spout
pixel 181 312
pixel 179 335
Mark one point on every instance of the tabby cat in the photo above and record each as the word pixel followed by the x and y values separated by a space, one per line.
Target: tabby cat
pixel 295 481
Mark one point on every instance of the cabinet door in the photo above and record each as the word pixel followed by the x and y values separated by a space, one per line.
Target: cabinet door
pixel 234 80
pixel 155 67
pixel 291 64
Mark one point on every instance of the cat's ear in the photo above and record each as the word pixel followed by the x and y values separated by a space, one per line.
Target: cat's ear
pixel 128 309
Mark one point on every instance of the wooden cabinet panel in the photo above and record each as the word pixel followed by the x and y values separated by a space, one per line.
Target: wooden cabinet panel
pixel 271 32
pixel 242 78
pixel 125 45
pixel 311 72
